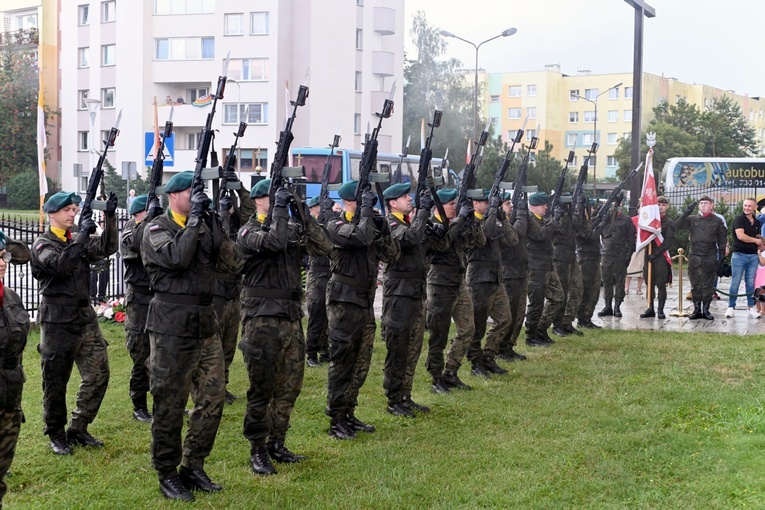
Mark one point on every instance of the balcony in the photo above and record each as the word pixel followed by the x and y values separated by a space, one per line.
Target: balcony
pixel 185 115
pixel 383 63
pixel 384 20
pixel 24 38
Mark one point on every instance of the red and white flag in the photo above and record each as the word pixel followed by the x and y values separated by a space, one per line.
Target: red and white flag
pixel 42 140
pixel 649 218
pixel 469 151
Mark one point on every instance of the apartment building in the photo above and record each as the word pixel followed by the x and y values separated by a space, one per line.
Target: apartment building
pixel 573 111
pixel 123 54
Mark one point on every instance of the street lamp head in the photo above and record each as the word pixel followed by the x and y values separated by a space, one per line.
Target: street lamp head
pixel 446 33
pixel 510 31
pixel 92 104
pixel 617 85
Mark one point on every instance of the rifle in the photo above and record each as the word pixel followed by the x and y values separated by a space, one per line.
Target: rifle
pixel 97 175
pixel 560 183
pixel 230 157
pixel 425 156
pixel 158 165
pixel 369 156
pixel 282 154
pixel 402 157
pixel 520 180
pixel 325 212
pixel 582 178
pixel 468 174
pixel 612 197
pixel 500 173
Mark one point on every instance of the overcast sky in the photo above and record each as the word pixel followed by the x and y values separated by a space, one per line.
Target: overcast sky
pixel 717 43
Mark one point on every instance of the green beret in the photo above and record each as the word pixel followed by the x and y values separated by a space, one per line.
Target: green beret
pixel 481 195
pixel 348 190
pixel 3 240
pixel 179 182
pixel 397 190
pixel 539 198
pixel 261 188
pixel 313 202
pixel 506 195
pixel 446 195
pixel 60 200
pixel 139 204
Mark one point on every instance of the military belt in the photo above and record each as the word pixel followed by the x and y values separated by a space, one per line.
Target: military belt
pixel 353 282
pixel 140 289
pixel 10 362
pixel 488 265
pixel 184 299
pixel 406 275
pixel 447 269
pixel 318 268
pixel 227 277
pixel 65 301
pixel 260 292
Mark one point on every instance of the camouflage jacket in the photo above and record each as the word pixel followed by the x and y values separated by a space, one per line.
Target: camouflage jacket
pixel 406 276
pixel 136 277
pixel 484 262
pixel 447 256
pixel 228 285
pixel 539 242
pixel 515 258
pixel 618 236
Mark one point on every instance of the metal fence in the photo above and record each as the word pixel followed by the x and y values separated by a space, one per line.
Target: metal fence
pixel 731 195
pixel 19 278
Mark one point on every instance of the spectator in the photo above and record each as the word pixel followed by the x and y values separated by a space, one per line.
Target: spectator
pixel 130 198
pixel 180 100
pixel 169 100
pixel 759 282
pixel 745 259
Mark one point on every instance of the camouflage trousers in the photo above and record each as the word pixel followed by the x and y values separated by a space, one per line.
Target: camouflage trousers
pixel 274 353
pixel 61 347
pixel 591 279
pixel 660 276
pixel 614 274
pixel 400 334
pixel 363 361
pixel 317 335
pixel 702 273
pixel 516 290
pixel 10 425
pixel 229 313
pixel 489 300
pixel 137 344
pixel 183 366
pixel 444 304
pixel 545 300
pixel 348 330
pixel 570 276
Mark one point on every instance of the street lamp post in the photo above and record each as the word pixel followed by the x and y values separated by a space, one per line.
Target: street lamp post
pixel 506 33
pixel 595 126
pixel 92 105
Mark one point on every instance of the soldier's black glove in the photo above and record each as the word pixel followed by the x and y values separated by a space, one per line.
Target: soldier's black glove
pixel 558 212
pixel 523 205
pixel 720 258
pixel 581 199
pixel 466 211
pixel 328 204
pixel 381 224
pixel 200 202
pixel 495 202
pixel 436 230
pixel 111 205
pixel 653 256
pixel 691 207
pixel 368 199
pixel 232 178
pixel 426 200
pixel 87 227
pixel 153 210
pixel 282 197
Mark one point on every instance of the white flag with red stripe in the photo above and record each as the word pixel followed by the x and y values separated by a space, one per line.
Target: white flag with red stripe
pixel 649 217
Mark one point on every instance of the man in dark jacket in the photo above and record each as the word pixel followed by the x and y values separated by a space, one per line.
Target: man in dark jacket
pixel 661 268
pixel 317 278
pixel 569 273
pixel 588 256
pixel 617 245
pixel 69 329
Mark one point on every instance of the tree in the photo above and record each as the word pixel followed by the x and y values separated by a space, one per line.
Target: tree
pixel 725 132
pixel 683 115
pixel 671 142
pixel 544 172
pixel 114 182
pixel 23 190
pixel 432 83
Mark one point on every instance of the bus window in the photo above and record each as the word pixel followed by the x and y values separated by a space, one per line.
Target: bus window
pixel 355 162
pixel 314 167
pixel 383 168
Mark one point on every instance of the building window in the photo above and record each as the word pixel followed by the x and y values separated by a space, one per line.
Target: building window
pixel 257 113
pixel 359 38
pixel 107 97
pixel 612 138
pixel 531 90
pixel 494 98
pixel 573 116
pixel 627 115
pixel 627 92
pixel 611 161
pixel 82 15
pixel 613 93
pixel 626 136
pixel 195 94
pixel 513 113
pixel 511 134
pixel 249 69
pixel 573 95
pixel 192 140
pixel 589 116
pixel 83 59
pixel 573 163
pixel 572 140
pixel 530 133
pixel 82 95
pixel 184 6
pixel 357 84
pixel 108 11
pixel 233 24
pixel 593 161
pixel 82 140
pixel 185 48
pixel 360 3
pixel 587 139
pixel 531 112
pixel 591 94
pixel 100 142
pixel 246 157
pixel 107 55
pixel 515 90
pixel 259 23
pixel 356 123
pixel 25 21
pixel 613 115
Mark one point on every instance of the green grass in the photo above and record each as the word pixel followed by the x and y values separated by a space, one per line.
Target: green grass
pixel 611 420
pixel 24 213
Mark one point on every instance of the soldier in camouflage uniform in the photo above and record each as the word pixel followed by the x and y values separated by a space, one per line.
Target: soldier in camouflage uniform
pixel 137 300
pixel 448 295
pixel 69 332
pixel 708 238
pixel 515 274
pixel 569 273
pixel 350 302
pixel 484 278
pixel 179 252
pixel 14 327
pixel 661 269
pixel 317 277
pixel 588 255
pixel 272 343
pixel 617 244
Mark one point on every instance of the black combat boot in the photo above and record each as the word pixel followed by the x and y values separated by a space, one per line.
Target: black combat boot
pixel 452 380
pixel 82 438
pixel 312 360
pixel 400 409
pixel 173 488
pixel 60 445
pixel 440 387
pixel 478 369
pixel 261 461
pixel 660 310
pixel 197 480
pixel 281 453
pixel 607 311
pixel 357 425
pixel 141 409
pixel 696 311
pixel 705 312
pixel 516 356
pixel 569 328
pixel 618 309
pixel 414 406
pixel 649 312
pixel 545 337
pixel 560 331
pixel 340 429
pixel 230 398
pixel 491 366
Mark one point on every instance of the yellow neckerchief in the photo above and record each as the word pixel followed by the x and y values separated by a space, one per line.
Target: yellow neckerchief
pixel 478 215
pixel 60 233
pixel 399 216
pixel 438 217
pixel 262 217
pixel 180 220
pixel 348 216
pixel 539 216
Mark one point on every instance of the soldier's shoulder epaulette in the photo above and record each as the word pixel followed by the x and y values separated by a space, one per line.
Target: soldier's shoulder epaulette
pixel 155 228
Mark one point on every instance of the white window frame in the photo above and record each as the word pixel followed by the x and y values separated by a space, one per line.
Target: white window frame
pixel 627 92
pixel 613 115
pixel 573 117
pixel 514 113
pixel 249 69
pixel 511 134
pixel 530 133
pixel 264 28
pixel 228 18
pixel 531 90
pixel 613 93
pixel 356 123
pixel 83 15
pixel 515 90
pixel 165 7
pixel 104 95
pixel 573 162
pixel 591 94
pixel 628 115
pixel 106 50
pixel 612 138
pixel 572 139
pixel 108 11
pixel 83 57
pixel 359 39
pixel 587 139
pixel 81 96
pixel 83 139
pixel 589 117
pixel 232 117
pixel 357 81
pixel 494 98
pixel 611 161
pixel 573 95
pixel 180 45
pixel 531 112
